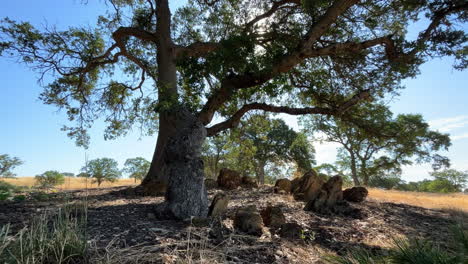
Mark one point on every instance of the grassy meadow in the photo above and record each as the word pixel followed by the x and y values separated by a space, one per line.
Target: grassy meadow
pixel 71 183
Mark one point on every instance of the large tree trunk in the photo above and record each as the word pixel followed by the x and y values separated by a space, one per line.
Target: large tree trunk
pixel 167 94
pixel 155 173
pixel 177 158
pixel 186 194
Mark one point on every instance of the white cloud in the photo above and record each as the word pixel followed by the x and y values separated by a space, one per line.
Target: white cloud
pixel 462 136
pixel 450 123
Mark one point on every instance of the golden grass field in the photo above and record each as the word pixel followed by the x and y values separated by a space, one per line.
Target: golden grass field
pixel 428 200
pixel 71 183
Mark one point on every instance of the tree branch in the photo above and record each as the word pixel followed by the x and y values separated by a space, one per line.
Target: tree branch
pixel 234 120
pixel 287 62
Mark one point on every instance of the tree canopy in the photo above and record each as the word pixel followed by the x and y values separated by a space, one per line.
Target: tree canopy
pixel 137 168
pixel 260 143
pixel 384 143
pixel 101 170
pixel 7 164
pixel 174 72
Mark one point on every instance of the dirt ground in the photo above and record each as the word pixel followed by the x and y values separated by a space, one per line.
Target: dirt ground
pixel 123 227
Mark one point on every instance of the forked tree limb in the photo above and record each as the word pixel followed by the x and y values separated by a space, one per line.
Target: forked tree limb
pixel 234 120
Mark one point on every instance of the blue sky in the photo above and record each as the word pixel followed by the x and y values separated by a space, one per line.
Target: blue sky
pixel 31 130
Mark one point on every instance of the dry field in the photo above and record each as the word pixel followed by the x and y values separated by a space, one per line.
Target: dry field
pixel 457 201
pixel 427 200
pixel 71 183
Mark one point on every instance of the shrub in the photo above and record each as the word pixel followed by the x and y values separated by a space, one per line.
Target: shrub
pixel 50 179
pixel 7 190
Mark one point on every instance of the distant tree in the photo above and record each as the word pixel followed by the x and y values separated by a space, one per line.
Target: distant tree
pixel 82 175
pixel 68 174
pixel 7 164
pixel 459 179
pixel 103 169
pixel 50 179
pixel 438 185
pixel 274 142
pixel 376 144
pixel 137 168
pixel 214 152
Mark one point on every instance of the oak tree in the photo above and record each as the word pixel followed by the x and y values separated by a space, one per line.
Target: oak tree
pixel 175 71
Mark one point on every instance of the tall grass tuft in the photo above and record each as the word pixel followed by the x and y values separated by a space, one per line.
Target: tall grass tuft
pixel 49 239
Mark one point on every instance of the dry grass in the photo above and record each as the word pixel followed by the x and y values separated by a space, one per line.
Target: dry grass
pixel 71 183
pixel 457 201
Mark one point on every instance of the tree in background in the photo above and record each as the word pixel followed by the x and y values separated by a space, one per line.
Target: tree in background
pixel 261 143
pixel 226 58
pixel 7 164
pixel 49 179
pixel 275 143
pixel 68 174
pixel 214 154
pixel 137 168
pixel 103 169
pixel 384 145
pixel 457 178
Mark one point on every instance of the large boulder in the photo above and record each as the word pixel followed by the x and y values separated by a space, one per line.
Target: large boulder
pixel 218 205
pixel 249 182
pixel 248 220
pixel 327 197
pixel 355 194
pixel 273 216
pixel 282 186
pixel 308 186
pixel 229 179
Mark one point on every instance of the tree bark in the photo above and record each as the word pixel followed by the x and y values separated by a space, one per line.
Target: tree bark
pixel 261 172
pixel 186 193
pixel 354 171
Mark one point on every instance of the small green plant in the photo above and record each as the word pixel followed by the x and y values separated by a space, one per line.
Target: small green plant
pixel 7 190
pixel 19 197
pixel 59 238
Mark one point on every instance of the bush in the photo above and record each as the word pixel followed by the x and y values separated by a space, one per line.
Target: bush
pixel 60 238
pixel 7 190
pixel 50 179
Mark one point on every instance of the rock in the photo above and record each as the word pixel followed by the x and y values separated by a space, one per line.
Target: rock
pixel 249 182
pixel 327 197
pixel 211 184
pixel 218 205
pixel 249 221
pixel 291 231
pixel 229 179
pixel 273 216
pixel 308 186
pixel 355 194
pixel 283 185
